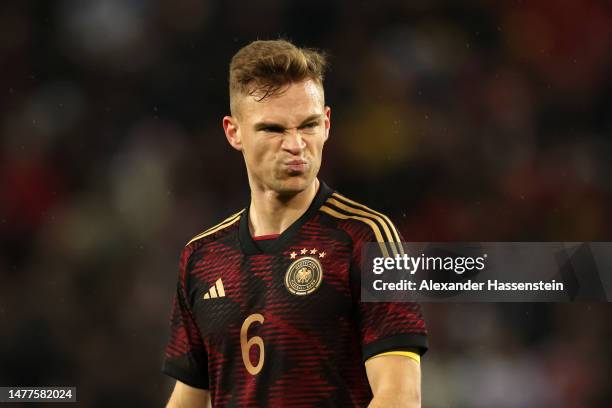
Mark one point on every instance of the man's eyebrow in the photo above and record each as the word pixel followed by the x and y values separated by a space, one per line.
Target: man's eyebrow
pixel 264 125
pixel 311 118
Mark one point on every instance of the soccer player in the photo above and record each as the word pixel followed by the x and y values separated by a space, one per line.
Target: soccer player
pixel 267 311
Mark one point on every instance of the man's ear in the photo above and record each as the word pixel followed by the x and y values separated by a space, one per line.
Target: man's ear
pixel 230 127
pixel 327 121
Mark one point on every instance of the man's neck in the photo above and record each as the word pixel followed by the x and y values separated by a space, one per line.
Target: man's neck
pixel 270 214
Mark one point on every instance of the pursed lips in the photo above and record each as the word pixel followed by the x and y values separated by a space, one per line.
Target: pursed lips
pixel 296 162
pixel 297 165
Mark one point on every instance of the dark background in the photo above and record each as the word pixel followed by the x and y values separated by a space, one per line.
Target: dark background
pixel 471 120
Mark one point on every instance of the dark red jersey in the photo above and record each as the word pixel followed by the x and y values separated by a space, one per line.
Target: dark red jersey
pixel 278 323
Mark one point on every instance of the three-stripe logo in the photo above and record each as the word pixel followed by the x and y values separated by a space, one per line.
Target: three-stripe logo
pixel 215 291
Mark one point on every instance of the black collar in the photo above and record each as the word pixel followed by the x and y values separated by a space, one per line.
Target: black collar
pixel 250 247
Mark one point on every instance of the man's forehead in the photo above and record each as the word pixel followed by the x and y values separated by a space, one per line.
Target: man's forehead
pixel 299 97
pixel 312 88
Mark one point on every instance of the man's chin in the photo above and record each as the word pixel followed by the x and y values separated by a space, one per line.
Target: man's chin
pixel 293 185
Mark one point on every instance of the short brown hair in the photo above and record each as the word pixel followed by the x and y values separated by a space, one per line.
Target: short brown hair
pixel 264 67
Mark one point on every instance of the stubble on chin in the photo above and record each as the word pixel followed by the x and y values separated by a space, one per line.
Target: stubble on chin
pixel 289 186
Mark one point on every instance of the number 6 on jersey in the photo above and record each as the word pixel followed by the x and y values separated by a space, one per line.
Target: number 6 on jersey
pixel 245 345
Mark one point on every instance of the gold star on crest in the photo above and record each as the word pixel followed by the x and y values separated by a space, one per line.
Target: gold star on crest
pixel 313 251
pixel 293 255
pixel 322 254
pixel 303 251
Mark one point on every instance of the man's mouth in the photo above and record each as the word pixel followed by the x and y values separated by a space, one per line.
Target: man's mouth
pixel 296 165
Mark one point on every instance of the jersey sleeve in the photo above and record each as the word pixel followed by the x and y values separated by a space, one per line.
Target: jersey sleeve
pixel 385 326
pixel 185 357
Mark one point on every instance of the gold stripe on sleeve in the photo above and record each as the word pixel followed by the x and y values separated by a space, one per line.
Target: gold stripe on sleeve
pixel 223 224
pixel 357 211
pixel 368 221
pixel 363 207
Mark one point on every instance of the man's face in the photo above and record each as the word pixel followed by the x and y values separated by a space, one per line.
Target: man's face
pixel 281 136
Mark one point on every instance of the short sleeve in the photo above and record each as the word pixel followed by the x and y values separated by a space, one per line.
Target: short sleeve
pixel 185 356
pixel 385 326
pixel 391 326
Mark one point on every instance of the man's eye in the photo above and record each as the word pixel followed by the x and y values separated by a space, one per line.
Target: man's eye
pixel 310 125
pixel 272 129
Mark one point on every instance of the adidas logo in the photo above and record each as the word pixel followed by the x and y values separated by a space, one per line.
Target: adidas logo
pixel 215 291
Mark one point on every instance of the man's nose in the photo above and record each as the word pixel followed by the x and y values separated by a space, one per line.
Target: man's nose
pixel 293 141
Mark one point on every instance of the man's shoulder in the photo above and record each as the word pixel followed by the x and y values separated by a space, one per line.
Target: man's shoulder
pixel 358 220
pixel 216 231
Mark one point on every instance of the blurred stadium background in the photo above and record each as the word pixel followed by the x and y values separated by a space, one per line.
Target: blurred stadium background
pixel 466 120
